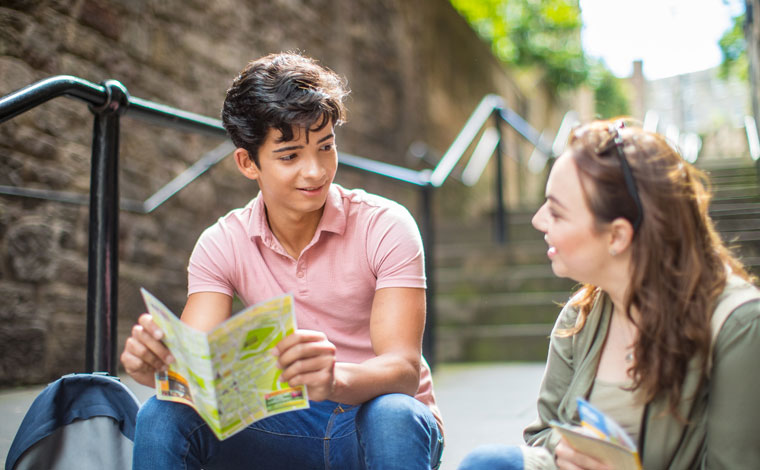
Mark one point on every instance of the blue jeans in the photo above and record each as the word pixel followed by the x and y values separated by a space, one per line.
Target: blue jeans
pixel 493 457
pixel 389 432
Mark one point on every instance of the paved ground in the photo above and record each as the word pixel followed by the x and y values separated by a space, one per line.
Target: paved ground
pixel 480 403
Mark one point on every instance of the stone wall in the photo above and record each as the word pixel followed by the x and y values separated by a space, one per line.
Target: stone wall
pixel 416 70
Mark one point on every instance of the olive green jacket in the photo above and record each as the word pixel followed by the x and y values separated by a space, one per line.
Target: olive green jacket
pixel 723 429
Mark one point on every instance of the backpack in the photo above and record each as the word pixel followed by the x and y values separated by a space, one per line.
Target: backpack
pixel 80 421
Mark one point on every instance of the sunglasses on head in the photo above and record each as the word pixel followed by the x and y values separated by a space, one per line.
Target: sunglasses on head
pixel 630 182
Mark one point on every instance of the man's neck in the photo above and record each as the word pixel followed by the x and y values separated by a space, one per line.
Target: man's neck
pixel 294 233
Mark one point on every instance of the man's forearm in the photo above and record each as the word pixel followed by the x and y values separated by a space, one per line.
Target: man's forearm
pixel 388 373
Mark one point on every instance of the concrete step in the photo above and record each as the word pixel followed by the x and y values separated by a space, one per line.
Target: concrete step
pixel 471 256
pixel 499 308
pixel 737 223
pixel 729 209
pixel 470 279
pixel 725 165
pixel 483 230
pixel 493 342
pixel 743 179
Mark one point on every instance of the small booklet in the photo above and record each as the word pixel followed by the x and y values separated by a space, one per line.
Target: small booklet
pixel 600 437
pixel 228 374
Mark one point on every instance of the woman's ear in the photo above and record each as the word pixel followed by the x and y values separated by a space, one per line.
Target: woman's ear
pixel 621 235
pixel 246 164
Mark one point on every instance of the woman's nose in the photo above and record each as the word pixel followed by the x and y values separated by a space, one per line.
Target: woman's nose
pixel 539 219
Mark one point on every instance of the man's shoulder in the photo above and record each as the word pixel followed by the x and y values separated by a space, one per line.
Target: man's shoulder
pixel 234 222
pixel 361 201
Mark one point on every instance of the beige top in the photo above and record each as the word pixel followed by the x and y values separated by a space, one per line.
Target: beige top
pixel 619 403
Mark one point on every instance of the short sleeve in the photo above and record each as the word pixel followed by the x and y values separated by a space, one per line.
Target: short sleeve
pixel 211 266
pixel 394 248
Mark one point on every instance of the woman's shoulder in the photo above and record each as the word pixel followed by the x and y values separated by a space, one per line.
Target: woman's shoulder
pixel 738 307
pixel 747 312
pixel 739 298
pixel 569 315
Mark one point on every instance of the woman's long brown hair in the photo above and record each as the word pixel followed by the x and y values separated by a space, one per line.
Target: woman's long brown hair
pixel 679 262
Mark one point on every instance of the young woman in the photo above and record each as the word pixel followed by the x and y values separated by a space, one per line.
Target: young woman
pixel 664 333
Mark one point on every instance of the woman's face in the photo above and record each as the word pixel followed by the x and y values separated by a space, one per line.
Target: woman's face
pixel 577 249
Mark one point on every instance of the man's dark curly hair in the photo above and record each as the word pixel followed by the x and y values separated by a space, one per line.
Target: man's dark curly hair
pixel 281 91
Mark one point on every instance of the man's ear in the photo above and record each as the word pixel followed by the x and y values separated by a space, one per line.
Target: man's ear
pixel 245 164
pixel 621 235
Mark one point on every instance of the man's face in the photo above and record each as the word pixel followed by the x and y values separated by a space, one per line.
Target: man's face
pixel 295 175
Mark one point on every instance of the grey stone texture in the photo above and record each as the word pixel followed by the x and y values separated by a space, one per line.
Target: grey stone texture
pixel 416 71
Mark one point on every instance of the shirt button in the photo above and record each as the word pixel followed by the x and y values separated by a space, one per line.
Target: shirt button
pixel 299 274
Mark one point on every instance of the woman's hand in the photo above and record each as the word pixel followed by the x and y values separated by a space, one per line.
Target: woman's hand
pixel 568 458
pixel 308 358
pixel 144 353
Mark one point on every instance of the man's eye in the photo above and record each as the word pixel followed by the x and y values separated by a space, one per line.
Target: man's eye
pixel 328 147
pixel 287 158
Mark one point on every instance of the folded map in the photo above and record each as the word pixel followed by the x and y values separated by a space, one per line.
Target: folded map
pixel 228 375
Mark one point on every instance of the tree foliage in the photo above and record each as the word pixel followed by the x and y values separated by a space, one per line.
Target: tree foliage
pixel 610 96
pixel 543 33
pixel 733 47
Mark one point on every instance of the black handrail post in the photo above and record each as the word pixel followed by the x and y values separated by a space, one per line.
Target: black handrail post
pixel 428 241
pixel 501 213
pixel 103 251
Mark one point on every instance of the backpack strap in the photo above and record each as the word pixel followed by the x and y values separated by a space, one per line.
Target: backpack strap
pixel 737 293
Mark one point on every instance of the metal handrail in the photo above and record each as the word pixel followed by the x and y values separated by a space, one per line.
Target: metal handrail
pixel 477 119
pixel 110 100
pixel 98 96
pixel 753 141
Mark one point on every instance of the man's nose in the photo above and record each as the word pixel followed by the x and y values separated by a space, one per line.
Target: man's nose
pixel 313 168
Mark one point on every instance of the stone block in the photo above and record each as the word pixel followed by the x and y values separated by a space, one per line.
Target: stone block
pixel 22 354
pixel 19 305
pixel 102 17
pixel 31 249
pixel 15 73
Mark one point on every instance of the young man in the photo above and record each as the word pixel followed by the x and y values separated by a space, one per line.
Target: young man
pixel 354 264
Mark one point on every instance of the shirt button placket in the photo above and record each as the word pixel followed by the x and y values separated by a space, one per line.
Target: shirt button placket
pixel 301 275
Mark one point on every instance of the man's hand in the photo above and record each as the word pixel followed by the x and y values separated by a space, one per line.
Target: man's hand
pixel 568 458
pixel 307 358
pixel 144 353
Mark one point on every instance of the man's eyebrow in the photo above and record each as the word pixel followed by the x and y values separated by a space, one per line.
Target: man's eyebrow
pixel 296 147
pixel 327 137
pixel 288 149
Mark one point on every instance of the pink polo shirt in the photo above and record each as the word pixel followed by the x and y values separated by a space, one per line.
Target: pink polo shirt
pixel 363 243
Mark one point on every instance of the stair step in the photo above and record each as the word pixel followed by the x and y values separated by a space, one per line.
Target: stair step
pixel 750 192
pixel 517 225
pixel 725 165
pixel 470 256
pixel 500 308
pixel 738 223
pixel 492 343
pixel 731 209
pixel 488 279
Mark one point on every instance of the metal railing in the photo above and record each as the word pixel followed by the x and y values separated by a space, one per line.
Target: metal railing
pixel 109 101
pixel 753 141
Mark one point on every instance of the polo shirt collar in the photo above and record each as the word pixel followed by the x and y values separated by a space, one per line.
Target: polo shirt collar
pixel 333 217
